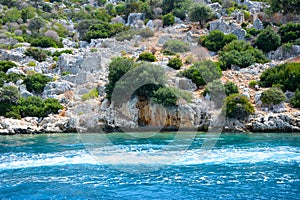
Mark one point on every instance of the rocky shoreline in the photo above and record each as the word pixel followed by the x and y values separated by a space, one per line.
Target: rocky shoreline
pixel 271 122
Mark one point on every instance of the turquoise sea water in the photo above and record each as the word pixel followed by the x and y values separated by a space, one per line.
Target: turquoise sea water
pixel 119 166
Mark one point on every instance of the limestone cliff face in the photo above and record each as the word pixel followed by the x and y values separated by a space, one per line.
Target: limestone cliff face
pixel 145 114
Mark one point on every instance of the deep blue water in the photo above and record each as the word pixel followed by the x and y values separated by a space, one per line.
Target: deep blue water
pixel 119 166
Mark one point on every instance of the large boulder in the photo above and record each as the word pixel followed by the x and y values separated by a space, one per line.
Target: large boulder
pixel 56 88
pixel 134 17
pixel 240 33
pixel 283 53
pixel 223 26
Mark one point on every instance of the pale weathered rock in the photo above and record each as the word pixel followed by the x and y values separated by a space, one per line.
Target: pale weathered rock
pixel 240 33
pixel 134 17
pixel 283 53
pixel 184 84
pixel 257 24
pixel 56 88
pixel 223 26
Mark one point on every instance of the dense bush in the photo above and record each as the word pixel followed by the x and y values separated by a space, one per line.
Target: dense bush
pixel 36 82
pixel 216 40
pixel 295 101
pixel 37 53
pixel 14 77
pixel 35 107
pixel 175 63
pixel 147 56
pixel 202 73
pixel 231 88
pixel 237 106
pixel 6 65
pixel 268 40
pixel 176 46
pixel 168 96
pixel 103 30
pixel 168 19
pixel 240 53
pixel 289 32
pixel 287 75
pixel 252 84
pixel 272 96
pixel 9 94
pixel 45 42
pixel 58 53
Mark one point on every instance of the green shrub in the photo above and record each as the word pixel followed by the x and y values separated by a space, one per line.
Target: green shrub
pixel 14 77
pixel 240 53
pixel 65 73
pixel 289 32
pixel 216 40
pixel 252 84
pixel 175 63
pixel 103 30
pixel 268 40
pixel 147 56
pixel 287 75
pixel 36 82
pixel 90 95
pixel 168 96
pixel 176 46
pixel 253 31
pixel 45 42
pixel 237 106
pixel 37 53
pixel 272 96
pixel 9 94
pixel 168 53
pixel 295 101
pixel 168 19
pixel 58 53
pixel 6 65
pixel 202 73
pixel 35 107
pixel 31 64
pixel 231 88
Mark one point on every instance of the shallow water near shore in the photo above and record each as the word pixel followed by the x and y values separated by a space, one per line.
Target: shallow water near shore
pixel 150 166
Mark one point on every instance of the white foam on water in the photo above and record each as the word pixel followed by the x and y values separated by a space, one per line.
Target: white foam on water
pixel 150 156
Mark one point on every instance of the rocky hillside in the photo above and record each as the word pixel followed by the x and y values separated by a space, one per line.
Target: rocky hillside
pixel 72 66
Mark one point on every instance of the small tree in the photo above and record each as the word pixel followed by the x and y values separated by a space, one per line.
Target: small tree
pixel 168 19
pixel 6 65
pixel 176 46
pixel 175 63
pixel 238 106
pixel 200 13
pixel 36 24
pixel 147 56
pixel 272 96
pixel 36 82
pixel 268 40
